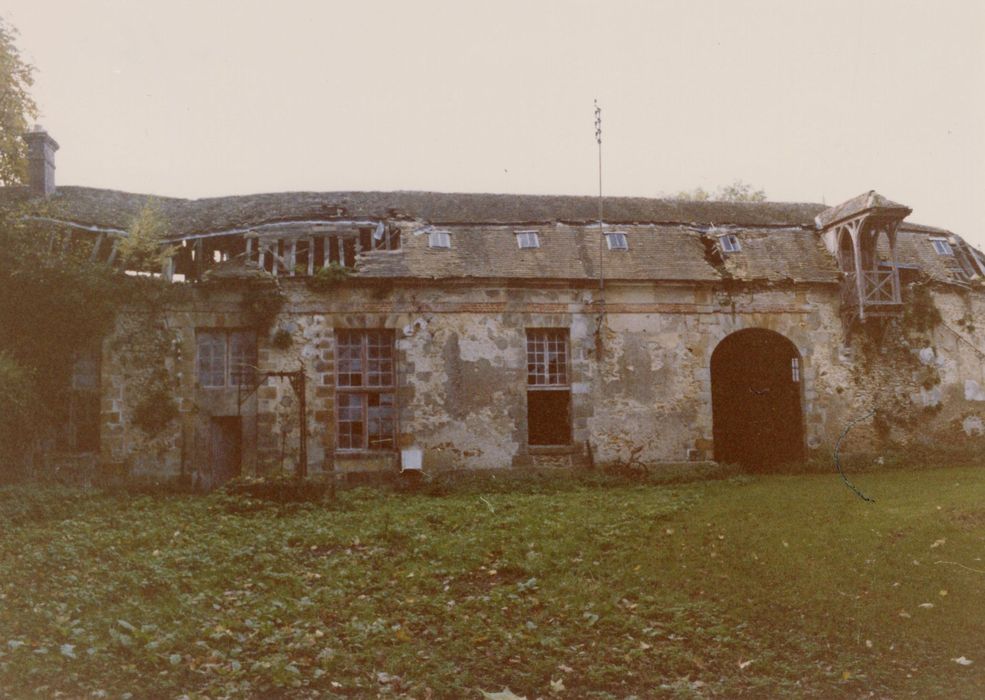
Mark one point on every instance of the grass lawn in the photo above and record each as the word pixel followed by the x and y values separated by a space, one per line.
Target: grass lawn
pixel 772 586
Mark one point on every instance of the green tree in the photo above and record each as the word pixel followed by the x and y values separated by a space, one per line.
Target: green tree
pixel 53 300
pixel 144 247
pixel 17 107
pixel 738 191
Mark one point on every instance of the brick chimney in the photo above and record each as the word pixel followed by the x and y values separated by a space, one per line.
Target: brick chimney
pixel 40 162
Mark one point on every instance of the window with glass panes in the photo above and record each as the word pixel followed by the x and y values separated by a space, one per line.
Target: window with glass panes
pixel 365 390
pixel 226 357
pixel 548 387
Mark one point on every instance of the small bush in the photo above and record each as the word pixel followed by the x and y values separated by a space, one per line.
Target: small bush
pixel 328 276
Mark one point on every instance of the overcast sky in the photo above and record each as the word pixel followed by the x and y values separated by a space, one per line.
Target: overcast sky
pixel 810 101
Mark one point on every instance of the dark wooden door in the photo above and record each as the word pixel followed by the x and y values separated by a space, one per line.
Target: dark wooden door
pixel 226 448
pixel 756 401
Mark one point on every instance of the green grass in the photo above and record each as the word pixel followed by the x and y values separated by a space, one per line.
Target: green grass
pixel 767 586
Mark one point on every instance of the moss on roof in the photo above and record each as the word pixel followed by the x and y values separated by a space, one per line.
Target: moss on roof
pixel 114 209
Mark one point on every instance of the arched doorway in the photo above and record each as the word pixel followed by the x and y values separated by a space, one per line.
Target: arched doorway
pixel 756 399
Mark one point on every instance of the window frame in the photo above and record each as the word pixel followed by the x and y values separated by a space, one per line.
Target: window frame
pixel 527 239
pixel 230 379
pixel 940 243
pixel 544 337
pixel 618 236
pixel 556 381
pixel 439 239
pixel 729 243
pixel 364 389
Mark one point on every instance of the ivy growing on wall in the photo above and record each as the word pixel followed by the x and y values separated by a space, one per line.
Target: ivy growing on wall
pixel 889 369
pixel 920 313
pixel 149 353
pixel 55 301
pixel 262 302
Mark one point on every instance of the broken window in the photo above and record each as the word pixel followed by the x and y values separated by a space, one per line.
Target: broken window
pixel 439 239
pixel 729 243
pixel 527 239
pixel 548 387
pixel 226 357
pixel 942 246
pixel 365 383
pixel 382 237
pixel 616 240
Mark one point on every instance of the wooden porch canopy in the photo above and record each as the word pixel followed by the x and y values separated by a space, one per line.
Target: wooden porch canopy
pixel 870 286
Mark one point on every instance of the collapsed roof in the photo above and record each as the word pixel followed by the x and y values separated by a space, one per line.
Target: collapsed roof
pixel 668 238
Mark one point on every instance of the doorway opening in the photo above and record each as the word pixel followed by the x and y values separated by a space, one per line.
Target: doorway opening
pixel 756 400
pixel 226 448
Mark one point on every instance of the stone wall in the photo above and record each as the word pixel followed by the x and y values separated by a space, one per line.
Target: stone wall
pixel 639 374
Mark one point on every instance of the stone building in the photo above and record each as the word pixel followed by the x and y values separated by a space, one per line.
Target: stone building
pixel 369 331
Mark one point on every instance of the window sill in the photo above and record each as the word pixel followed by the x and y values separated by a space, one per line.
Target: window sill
pixel 364 454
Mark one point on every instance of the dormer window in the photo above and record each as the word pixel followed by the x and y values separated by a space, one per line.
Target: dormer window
pixel 616 240
pixel 527 239
pixel 439 239
pixel 729 243
pixel 941 246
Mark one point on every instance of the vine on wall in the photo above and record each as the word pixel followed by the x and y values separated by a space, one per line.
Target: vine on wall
pixel 889 369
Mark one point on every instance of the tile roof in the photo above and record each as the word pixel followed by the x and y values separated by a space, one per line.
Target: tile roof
pixel 779 241
pixel 781 254
pixel 866 201
pixel 565 252
pixel 915 248
pixel 113 209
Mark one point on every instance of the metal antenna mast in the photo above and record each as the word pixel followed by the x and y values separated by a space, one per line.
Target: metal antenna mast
pixel 598 139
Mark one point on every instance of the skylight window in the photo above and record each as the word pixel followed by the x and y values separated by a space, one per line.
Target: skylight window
pixel 942 246
pixel 527 239
pixel 729 243
pixel 616 240
pixel 439 239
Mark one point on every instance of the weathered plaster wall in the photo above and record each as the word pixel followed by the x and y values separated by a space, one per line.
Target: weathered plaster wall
pixel 640 379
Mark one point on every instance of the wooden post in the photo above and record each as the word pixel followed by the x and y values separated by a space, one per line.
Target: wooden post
pixel 311 256
pixel 853 231
pixel 94 255
pixel 303 437
pixel 292 258
pixel 112 252
pixel 199 261
pixel 891 234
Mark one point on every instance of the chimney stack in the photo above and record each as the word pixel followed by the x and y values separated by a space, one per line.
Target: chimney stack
pixel 40 162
